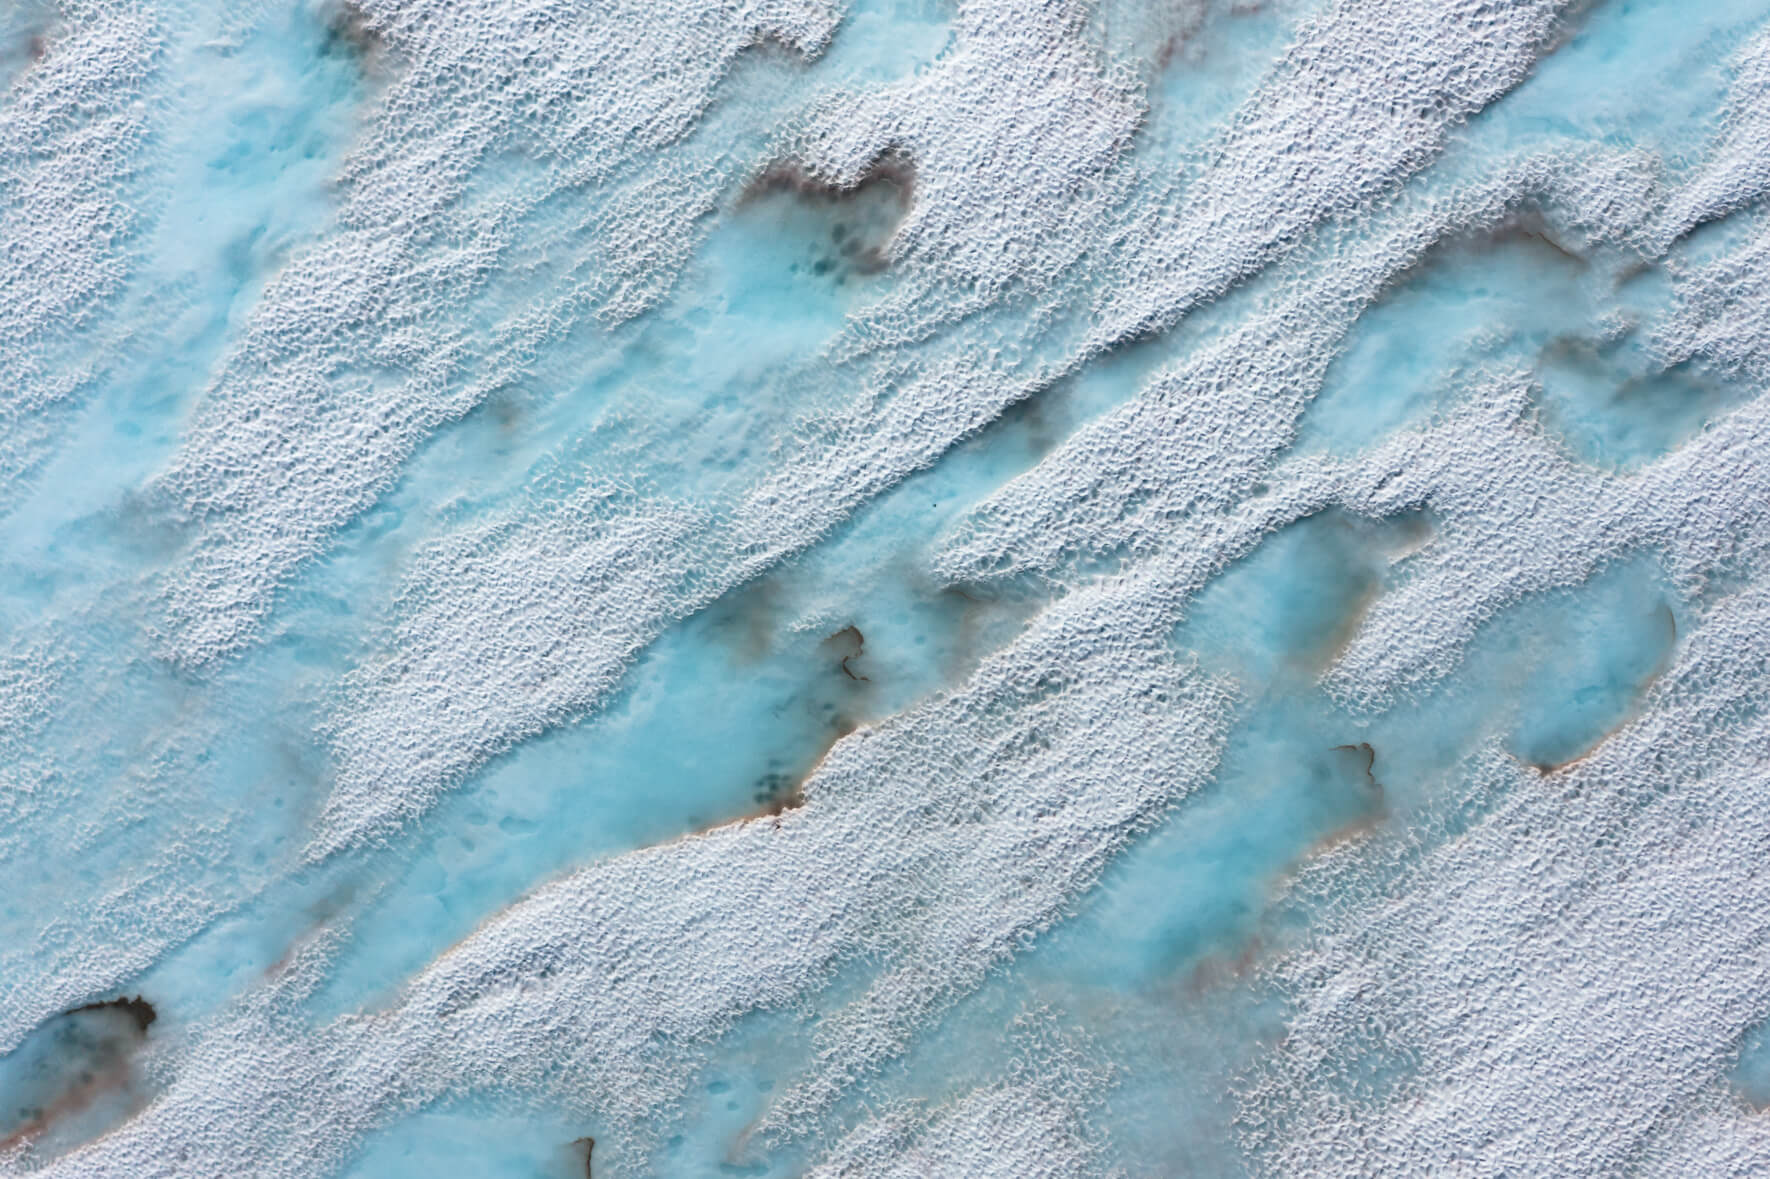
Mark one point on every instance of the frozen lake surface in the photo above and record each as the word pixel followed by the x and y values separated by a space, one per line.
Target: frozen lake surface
pixel 884 588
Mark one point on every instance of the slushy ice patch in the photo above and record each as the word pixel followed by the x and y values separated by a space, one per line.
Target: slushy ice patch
pixel 883 587
pixel 75 1077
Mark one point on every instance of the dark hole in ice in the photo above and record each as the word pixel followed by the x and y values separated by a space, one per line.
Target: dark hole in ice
pixel 137 1009
pixel 72 1078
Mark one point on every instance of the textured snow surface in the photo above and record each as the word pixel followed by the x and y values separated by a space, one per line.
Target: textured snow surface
pixel 884 589
pixel 74 125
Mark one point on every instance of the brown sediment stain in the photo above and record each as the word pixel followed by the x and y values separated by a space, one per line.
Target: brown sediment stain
pixel 76 1100
pixel 149 525
pixel 892 168
pixel 1237 961
pixel 1346 834
pixel 1570 349
pixel 1372 814
pixel 776 794
pixel 1223 968
pixel 1327 652
pixel 109 1071
pixel 321 915
pixel 36 26
pixel 792 794
pixel 1363 750
pixel 1631 269
pixel 885 188
pixel 1524 227
pixel 1031 415
pixel 789 798
pixel 1632 387
pixel 30 41
pixel 1179 24
pixel 137 1009
pixel 506 409
pixel 1551 769
pixel 352 32
pixel 286 959
pixel 772 43
pixel 752 621
pixel 1682 384
pixel 1392 538
pixel 1177 42
pixel 1754 1099
pixel 751 617
pixel 852 645
pixel 982 616
pixel 1567 26
pixel 779 797
pixel 1527 226
pixel 1409 533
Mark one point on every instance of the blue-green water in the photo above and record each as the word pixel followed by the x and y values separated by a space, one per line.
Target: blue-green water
pixel 886 588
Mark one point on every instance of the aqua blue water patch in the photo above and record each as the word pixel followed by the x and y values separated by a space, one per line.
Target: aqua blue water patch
pixel 77 1075
pixel 886 589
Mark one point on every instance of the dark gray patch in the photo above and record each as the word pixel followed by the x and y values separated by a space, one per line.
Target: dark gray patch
pixel 847 228
pixel 351 34
pixel 57 1082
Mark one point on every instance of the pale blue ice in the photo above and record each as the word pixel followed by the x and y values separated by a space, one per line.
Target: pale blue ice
pixel 732 377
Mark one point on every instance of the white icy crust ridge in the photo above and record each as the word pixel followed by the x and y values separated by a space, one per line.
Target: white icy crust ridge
pixel 1032 1122
pixel 1556 976
pixel 930 847
pixel 1555 986
pixel 75 124
pixel 510 660
pixel 350 359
